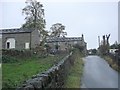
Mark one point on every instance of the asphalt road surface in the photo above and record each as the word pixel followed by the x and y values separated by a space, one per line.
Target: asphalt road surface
pixel 98 74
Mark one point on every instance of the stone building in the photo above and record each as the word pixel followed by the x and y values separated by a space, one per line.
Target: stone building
pixel 20 38
pixel 64 43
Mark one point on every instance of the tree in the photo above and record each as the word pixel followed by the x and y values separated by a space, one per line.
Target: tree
pixel 35 17
pixel 104 48
pixel 81 48
pixel 114 46
pixel 44 35
pixel 94 51
pixel 58 30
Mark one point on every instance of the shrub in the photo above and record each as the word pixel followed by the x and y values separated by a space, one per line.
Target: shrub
pixel 8 59
pixel 17 53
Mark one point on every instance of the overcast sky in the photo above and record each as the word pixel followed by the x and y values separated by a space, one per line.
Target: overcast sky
pixel 92 19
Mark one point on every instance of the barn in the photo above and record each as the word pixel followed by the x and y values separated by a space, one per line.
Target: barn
pixel 20 38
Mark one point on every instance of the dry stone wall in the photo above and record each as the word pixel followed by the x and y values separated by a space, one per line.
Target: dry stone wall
pixel 53 78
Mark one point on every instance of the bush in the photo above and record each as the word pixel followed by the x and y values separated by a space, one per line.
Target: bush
pixel 8 59
pixel 81 48
pixel 17 53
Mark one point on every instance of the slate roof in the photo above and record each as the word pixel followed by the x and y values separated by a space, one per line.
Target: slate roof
pixel 63 39
pixel 17 30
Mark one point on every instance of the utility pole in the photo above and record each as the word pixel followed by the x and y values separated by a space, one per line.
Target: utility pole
pixel 99 45
pixel 99 41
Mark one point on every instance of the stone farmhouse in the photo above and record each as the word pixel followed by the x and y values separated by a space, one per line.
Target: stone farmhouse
pixel 19 38
pixel 30 38
pixel 64 43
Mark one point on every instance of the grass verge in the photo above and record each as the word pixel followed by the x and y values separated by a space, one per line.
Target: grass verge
pixel 0 70
pixel 111 63
pixel 73 79
pixel 13 74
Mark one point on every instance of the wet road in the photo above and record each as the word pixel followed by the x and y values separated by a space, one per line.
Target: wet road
pixel 98 74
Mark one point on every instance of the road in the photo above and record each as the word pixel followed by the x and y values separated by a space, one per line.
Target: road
pixel 98 74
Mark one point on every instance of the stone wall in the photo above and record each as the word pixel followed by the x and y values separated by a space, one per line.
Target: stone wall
pixel 53 78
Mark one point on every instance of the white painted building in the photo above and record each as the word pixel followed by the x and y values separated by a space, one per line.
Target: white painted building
pixel 112 51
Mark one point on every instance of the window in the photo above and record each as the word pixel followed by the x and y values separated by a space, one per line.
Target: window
pixel 27 45
pixel 75 42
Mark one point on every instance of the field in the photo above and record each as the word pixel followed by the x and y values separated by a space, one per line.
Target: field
pixel 14 74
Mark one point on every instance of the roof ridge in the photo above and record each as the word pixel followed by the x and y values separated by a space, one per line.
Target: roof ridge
pixel 16 30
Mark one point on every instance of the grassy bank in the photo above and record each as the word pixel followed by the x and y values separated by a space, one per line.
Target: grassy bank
pixel 74 77
pixel 111 63
pixel 13 74
pixel 0 78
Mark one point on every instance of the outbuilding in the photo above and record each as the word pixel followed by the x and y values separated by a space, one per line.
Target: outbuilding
pixel 20 38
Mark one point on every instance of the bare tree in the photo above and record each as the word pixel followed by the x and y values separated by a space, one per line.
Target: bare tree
pixel 107 45
pixel 107 37
pixel 104 48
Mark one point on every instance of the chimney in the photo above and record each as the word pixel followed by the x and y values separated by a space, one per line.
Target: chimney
pixel 82 37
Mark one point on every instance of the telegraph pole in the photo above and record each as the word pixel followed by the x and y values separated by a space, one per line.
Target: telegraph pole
pixel 99 41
